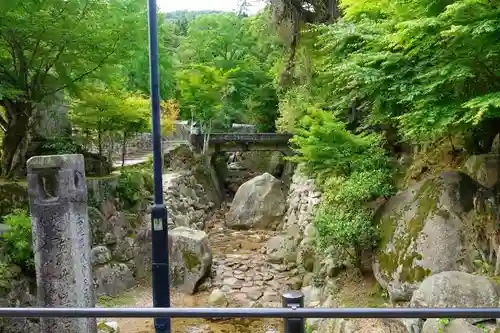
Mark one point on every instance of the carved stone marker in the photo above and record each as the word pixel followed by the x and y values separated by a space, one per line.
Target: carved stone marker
pixel 61 241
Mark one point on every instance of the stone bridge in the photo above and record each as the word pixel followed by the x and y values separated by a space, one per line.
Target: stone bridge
pixel 231 142
pixel 221 143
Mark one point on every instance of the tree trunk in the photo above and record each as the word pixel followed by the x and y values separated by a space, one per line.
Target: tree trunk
pixel 124 148
pixel 16 139
pixel 99 149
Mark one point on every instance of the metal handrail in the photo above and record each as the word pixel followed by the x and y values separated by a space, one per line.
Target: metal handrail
pixel 251 312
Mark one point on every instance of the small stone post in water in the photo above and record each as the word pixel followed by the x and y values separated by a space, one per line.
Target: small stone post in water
pixel 61 241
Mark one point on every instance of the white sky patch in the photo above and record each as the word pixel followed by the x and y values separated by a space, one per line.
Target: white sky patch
pixel 219 5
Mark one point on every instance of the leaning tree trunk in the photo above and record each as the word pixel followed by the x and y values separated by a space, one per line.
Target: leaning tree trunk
pixel 16 139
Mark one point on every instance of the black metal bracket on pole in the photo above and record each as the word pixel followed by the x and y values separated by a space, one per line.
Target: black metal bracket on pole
pixel 294 300
pixel 160 270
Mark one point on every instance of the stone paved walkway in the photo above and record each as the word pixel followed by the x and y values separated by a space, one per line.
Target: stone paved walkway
pixel 241 270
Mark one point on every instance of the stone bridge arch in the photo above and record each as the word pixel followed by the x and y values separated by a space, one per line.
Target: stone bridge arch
pixel 221 143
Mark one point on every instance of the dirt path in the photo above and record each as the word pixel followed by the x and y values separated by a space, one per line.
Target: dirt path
pixel 240 269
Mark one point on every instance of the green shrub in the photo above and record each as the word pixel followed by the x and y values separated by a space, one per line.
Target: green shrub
pixel 17 241
pixel 351 169
pixel 133 187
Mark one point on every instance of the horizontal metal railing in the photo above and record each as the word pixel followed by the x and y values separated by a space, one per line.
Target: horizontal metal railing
pixel 251 312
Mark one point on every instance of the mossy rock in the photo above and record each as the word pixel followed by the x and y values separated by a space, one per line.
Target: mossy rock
pixel 12 196
pixel 423 232
pixel 485 168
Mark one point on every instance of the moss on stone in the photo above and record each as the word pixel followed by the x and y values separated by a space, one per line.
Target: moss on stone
pixel 427 200
pixel 190 259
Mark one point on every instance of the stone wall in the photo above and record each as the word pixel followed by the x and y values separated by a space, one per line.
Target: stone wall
pixel 186 200
pixel 303 198
pixel 294 245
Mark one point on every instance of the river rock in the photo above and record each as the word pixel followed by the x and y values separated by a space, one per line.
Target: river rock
pixel 218 299
pixel 258 203
pixel 282 249
pixel 455 289
pixel 190 258
pixel 426 230
pixel 113 279
pixel 454 326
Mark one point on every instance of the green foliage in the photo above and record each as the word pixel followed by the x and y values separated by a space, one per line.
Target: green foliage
pixel 17 241
pixel 201 89
pixel 443 323
pixel 429 69
pixel 54 146
pixel 58 45
pixel 349 228
pixel 225 73
pixel 327 148
pixel 133 187
pixel 352 169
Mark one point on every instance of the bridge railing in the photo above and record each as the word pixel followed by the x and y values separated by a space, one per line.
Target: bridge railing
pixel 241 138
pixel 293 313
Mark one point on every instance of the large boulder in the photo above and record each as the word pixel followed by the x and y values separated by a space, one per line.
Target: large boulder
pixel 426 229
pixel 485 168
pixel 258 203
pixel 456 289
pixel 190 258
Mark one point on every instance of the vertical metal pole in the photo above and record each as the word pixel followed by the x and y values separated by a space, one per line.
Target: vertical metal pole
pixel 161 283
pixel 293 299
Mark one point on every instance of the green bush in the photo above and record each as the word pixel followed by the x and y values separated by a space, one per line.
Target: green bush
pixel 17 241
pixel 133 186
pixel 347 227
pixel 351 169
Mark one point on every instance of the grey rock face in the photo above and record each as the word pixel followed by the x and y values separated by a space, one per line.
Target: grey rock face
pixel 190 258
pixel 485 168
pixel 186 200
pixel 424 231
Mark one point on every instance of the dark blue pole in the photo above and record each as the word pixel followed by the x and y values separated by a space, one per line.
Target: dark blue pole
pixel 161 283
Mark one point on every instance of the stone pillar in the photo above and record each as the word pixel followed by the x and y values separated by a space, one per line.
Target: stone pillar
pixel 61 241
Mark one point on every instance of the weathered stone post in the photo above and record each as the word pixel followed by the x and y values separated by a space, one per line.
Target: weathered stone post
pixel 61 241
